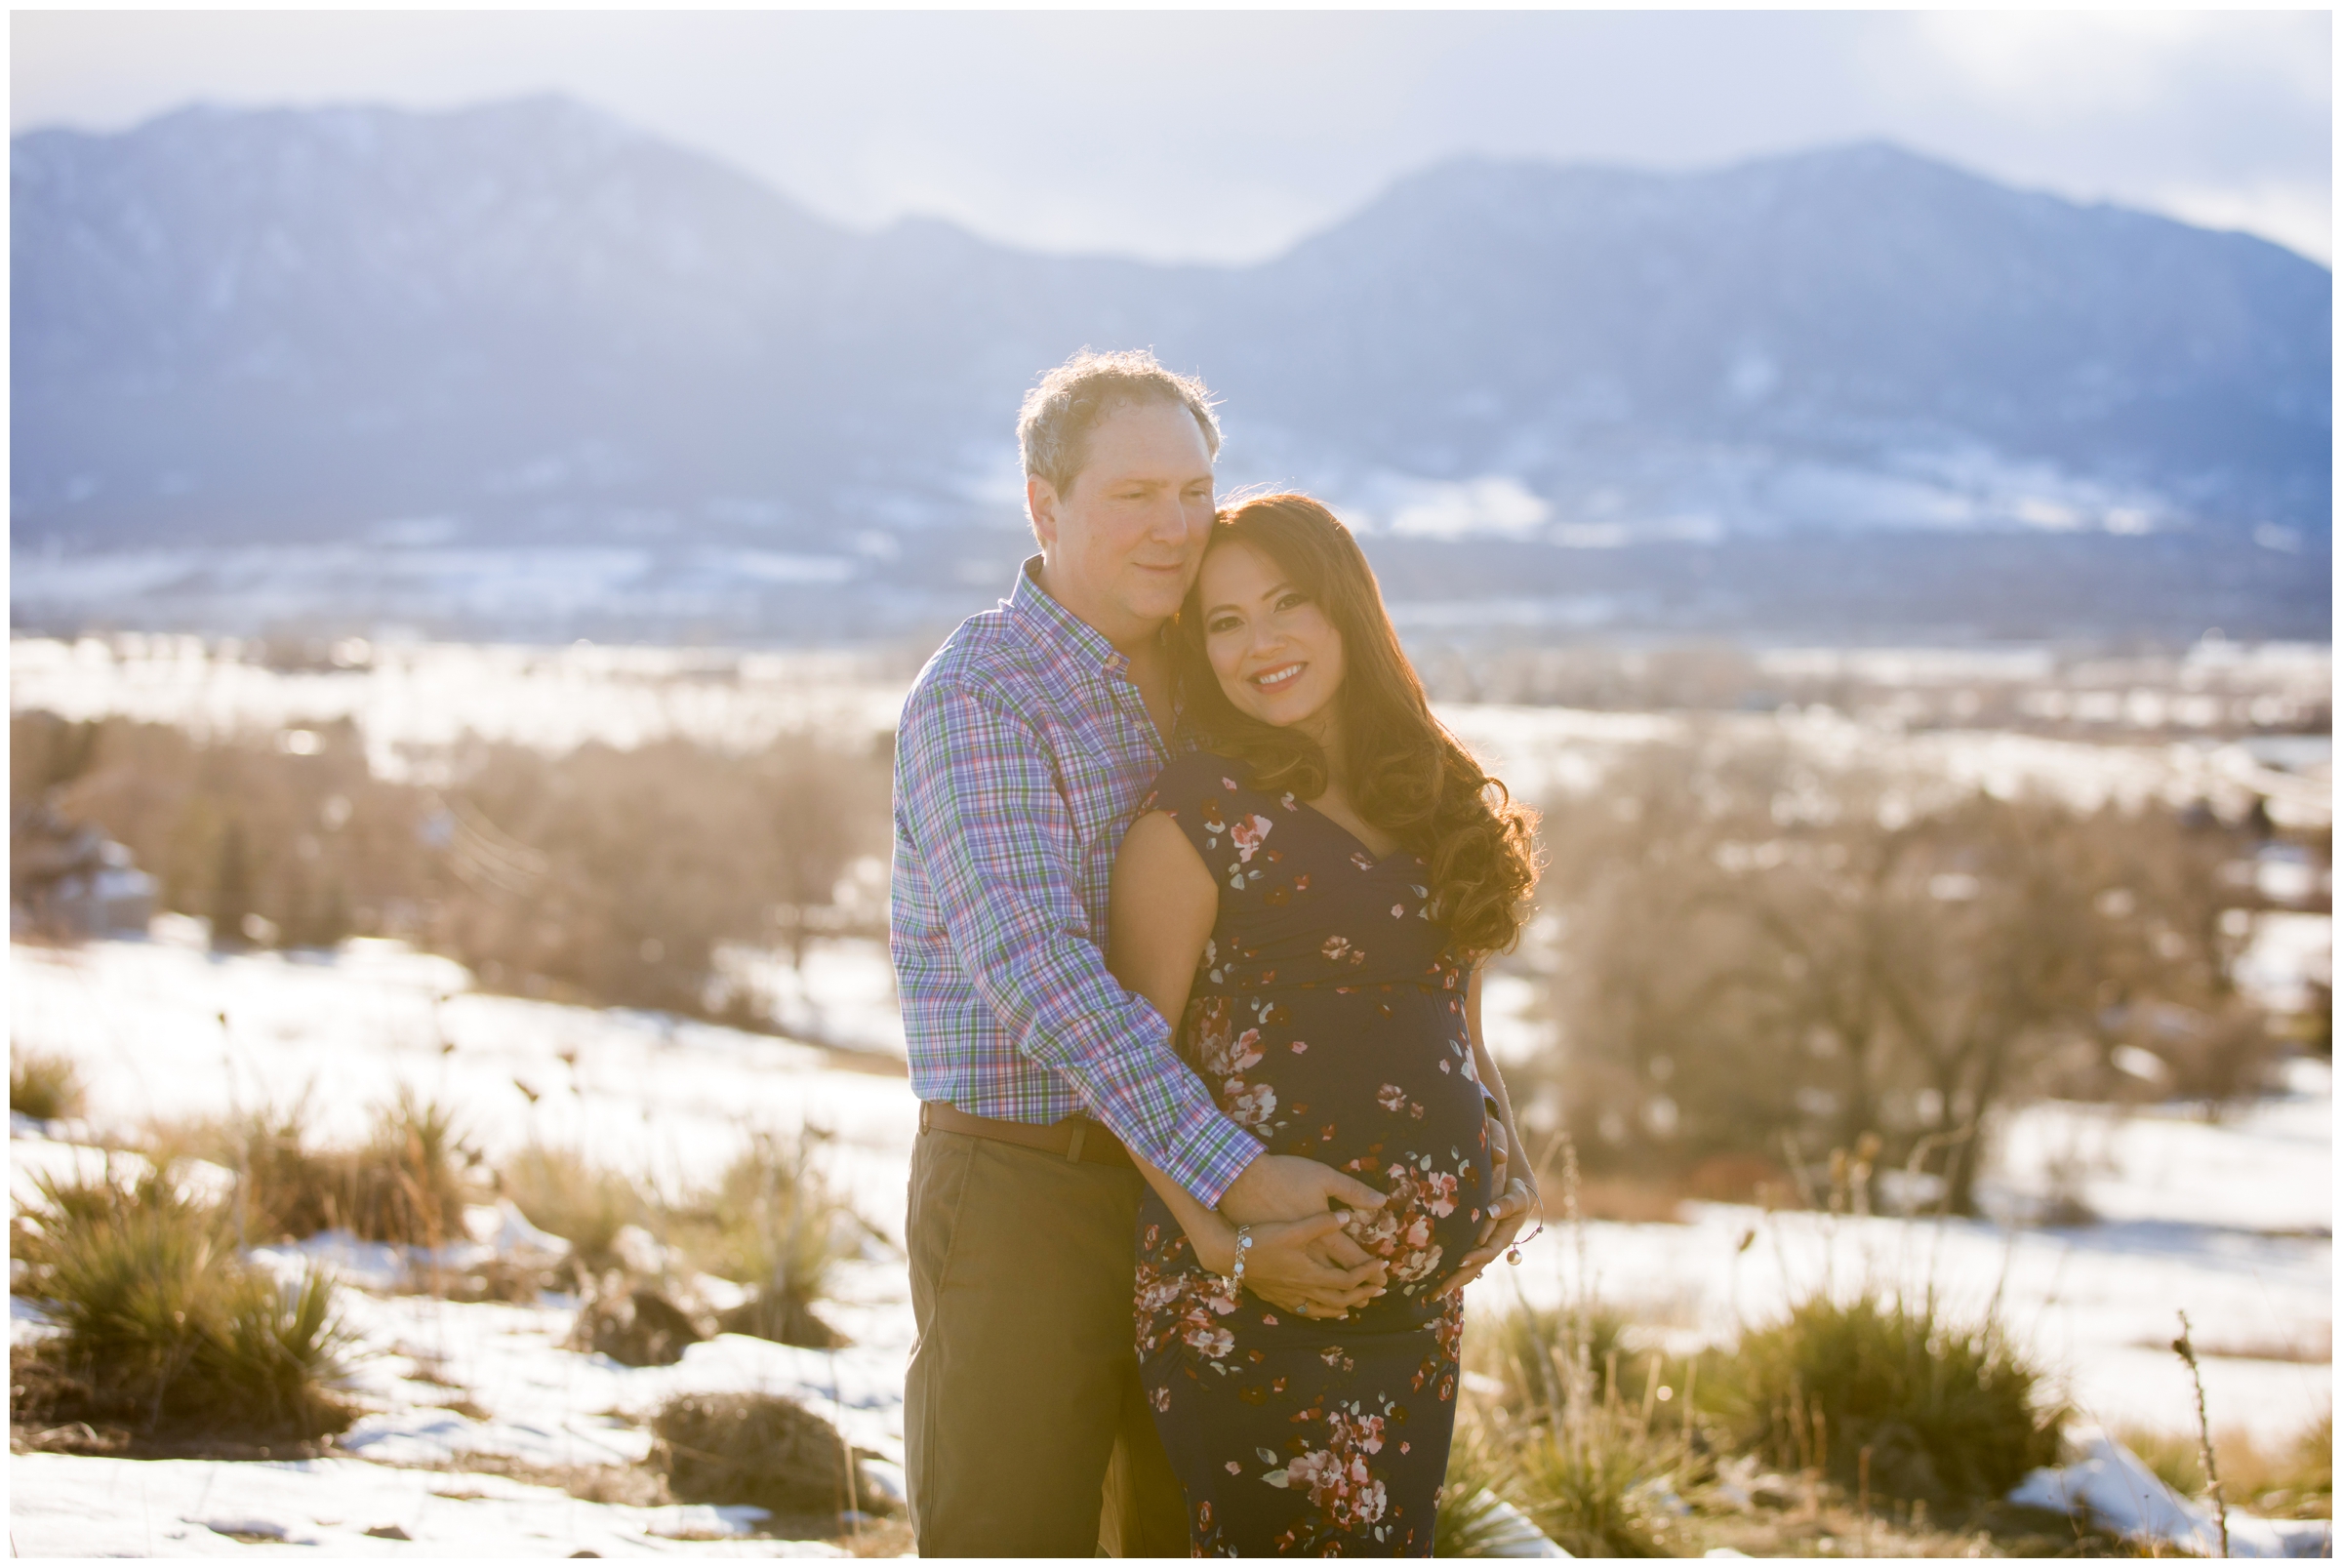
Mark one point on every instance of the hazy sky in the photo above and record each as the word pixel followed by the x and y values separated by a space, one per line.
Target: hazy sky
pixel 1227 135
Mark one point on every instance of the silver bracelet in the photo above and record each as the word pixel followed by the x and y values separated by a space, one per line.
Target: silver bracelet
pixel 1235 1276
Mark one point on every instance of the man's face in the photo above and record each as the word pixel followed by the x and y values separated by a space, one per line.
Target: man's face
pixel 1121 545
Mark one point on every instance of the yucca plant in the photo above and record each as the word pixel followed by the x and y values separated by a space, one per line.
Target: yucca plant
pixel 162 1324
pixel 1948 1407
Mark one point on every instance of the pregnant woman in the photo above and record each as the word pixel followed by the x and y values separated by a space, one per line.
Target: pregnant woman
pixel 1311 896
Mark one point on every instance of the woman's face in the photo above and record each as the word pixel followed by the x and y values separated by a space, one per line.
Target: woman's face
pixel 1277 655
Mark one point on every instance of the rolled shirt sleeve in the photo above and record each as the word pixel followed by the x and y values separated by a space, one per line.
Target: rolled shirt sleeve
pixel 983 809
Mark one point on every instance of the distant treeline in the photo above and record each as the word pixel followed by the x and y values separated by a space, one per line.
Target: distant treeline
pixel 601 875
pixel 1762 971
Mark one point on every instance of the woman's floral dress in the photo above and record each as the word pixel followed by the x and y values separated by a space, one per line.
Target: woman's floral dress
pixel 1326 1020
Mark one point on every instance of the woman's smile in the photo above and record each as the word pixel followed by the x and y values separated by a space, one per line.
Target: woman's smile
pixel 1270 679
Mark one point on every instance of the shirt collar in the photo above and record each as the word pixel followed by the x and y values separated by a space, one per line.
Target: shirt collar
pixel 1065 634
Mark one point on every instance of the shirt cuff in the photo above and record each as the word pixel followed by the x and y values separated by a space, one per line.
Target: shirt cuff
pixel 1207 1157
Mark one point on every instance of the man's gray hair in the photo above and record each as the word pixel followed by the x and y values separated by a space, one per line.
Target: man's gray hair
pixel 1053 428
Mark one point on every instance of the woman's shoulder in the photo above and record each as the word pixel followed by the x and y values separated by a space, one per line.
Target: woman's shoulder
pixel 1195 778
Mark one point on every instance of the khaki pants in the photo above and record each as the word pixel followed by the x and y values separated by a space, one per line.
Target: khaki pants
pixel 1025 1432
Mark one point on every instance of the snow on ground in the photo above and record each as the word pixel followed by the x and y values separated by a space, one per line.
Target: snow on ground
pixel 71 1507
pixel 2229 1221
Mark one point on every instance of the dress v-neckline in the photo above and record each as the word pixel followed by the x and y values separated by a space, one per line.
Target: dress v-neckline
pixel 1328 818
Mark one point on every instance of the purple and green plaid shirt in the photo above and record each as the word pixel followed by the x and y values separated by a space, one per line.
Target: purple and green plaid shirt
pixel 1023 751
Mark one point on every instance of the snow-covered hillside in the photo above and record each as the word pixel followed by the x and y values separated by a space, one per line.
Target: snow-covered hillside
pixel 2230 1222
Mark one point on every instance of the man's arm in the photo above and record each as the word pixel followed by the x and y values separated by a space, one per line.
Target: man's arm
pixel 1164 905
pixel 981 804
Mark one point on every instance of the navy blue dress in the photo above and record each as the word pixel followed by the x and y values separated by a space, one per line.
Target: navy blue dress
pixel 1326 1020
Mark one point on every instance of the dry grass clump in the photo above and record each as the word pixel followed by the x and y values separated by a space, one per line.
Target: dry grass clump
pixel 408 1182
pixel 774 1224
pixel 162 1326
pixel 42 1086
pixel 1945 1409
pixel 2291 1479
pixel 758 1449
pixel 561 1192
pixel 1588 1450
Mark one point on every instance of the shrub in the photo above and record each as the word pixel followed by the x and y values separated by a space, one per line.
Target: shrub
pixel 42 1086
pixel 163 1325
pixel 587 1205
pixel 1592 1483
pixel 1468 1524
pixel 760 1449
pixel 1529 1351
pixel 405 1184
pixel 634 1325
pixel 1947 1409
pixel 772 1223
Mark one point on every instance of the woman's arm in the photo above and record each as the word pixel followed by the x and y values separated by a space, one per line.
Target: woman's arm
pixel 1510 1210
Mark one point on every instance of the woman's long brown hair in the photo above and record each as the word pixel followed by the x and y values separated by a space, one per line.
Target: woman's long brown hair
pixel 1408 776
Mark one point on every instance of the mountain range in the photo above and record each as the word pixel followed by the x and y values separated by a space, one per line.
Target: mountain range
pixel 505 343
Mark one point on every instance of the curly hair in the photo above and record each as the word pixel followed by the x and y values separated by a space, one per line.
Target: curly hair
pixel 1408 774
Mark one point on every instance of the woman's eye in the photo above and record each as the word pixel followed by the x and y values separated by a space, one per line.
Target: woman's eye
pixel 1224 624
pixel 1292 602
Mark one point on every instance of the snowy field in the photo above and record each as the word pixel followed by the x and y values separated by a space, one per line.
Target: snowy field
pixel 2230 1222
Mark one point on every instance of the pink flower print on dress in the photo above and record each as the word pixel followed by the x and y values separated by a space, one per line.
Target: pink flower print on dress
pixel 1225 1056
pixel 1398 912
pixel 1358 858
pixel 1415 1265
pixel 1391 1097
pixel 1247 834
pixel 1252 1105
pixel 1207 1338
pixel 1440 1193
pixel 1337 948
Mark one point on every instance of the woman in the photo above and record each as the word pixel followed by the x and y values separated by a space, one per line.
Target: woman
pixel 1311 896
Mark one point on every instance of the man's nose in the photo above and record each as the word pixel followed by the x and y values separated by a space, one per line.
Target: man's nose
pixel 1167 521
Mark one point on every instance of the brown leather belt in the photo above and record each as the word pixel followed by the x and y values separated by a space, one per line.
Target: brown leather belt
pixel 1076 1138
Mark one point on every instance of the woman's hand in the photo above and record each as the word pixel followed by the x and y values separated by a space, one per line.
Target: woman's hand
pixel 1293 1265
pixel 1506 1216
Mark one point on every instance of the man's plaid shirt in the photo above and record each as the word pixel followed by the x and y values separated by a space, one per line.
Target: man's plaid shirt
pixel 1023 751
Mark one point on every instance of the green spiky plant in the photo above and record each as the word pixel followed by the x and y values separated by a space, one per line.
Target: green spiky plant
pixel 161 1325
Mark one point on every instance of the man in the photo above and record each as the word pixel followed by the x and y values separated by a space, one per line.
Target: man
pixel 1025 749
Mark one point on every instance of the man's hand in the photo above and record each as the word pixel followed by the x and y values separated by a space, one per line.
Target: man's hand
pixel 1286 1268
pixel 1286 1187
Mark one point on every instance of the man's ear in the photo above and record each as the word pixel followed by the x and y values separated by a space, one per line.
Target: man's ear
pixel 1040 505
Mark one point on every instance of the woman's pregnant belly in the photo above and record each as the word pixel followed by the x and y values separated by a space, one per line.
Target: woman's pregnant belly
pixel 1376 1081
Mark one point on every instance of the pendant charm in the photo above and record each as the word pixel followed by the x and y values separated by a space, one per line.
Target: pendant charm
pixel 1513 1256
